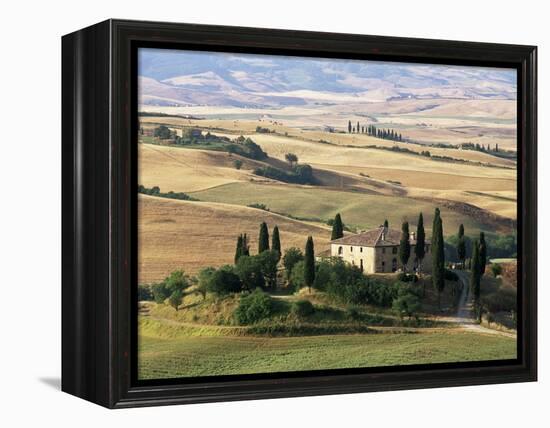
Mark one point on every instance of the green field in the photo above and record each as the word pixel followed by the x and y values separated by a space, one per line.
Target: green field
pixel 360 210
pixel 182 355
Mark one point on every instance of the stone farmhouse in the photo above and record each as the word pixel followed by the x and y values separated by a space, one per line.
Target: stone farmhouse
pixel 377 251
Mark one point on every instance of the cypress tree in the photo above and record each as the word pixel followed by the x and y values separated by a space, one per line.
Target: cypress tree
pixel 386 223
pixel 461 246
pixel 239 248
pixel 404 246
pixel 337 228
pixel 263 241
pixel 475 278
pixel 358 128
pixel 309 263
pixel 482 252
pixel 438 256
pixel 245 247
pixel 420 247
pixel 349 126
pixel 276 241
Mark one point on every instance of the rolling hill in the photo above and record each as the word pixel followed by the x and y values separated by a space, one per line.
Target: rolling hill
pixel 192 235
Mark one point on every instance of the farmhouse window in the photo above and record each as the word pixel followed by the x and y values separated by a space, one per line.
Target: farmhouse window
pixel 340 250
pixel 394 250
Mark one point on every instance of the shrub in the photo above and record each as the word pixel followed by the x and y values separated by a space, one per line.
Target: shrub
pixel 160 292
pixel 268 261
pixel 292 256
pixel 177 281
pixel 162 132
pixel 304 174
pixel 253 150
pixel 382 294
pixel 296 279
pixel 407 303
pixel 224 281
pixel 300 174
pixel 155 191
pixel 144 292
pixel 237 163
pixel 353 313
pixel 253 308
pixel 249 270
pixel 347 283
pixel 172 287
pixel 322 275
pixel 302 308
pixel 175 299
pixel 504 299
pixel 407 277
pixel 246 147
pixel 258 206
pixel 203 278
pixel 496 269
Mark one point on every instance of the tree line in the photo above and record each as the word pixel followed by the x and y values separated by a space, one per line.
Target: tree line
pixel 373 131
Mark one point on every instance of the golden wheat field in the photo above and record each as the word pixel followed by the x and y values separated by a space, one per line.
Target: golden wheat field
pixel 181 234
pixel 324 154
pixel 180 170
pixel 187 235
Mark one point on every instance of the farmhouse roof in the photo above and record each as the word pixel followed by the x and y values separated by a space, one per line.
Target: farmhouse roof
pixel 379 237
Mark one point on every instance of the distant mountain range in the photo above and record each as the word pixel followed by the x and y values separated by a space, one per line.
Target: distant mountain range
pixel 187 78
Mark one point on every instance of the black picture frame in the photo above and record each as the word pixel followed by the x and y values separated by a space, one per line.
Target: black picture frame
pixel 99 194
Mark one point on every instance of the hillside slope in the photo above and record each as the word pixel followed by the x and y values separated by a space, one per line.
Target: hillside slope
pixel 187 235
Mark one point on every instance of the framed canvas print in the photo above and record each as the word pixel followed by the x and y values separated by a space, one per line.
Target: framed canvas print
pixel 252 213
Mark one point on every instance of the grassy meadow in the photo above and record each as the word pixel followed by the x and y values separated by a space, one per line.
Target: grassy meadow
pixel 169 357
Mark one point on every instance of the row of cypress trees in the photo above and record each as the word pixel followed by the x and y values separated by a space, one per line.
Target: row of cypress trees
pixel 405 246
pixel 243 249
pixel 373 131
pixel 478 261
